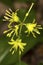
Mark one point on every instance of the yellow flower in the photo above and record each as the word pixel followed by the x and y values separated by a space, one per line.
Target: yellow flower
pixel 33 27
pixel 17 44
pixel 11 16
pixel 11 31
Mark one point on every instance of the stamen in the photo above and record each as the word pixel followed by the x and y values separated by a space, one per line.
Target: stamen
pixel 7 31
pixel 35 30
pixel 34 21
pixel 33 34
pixel 8 12
pixel 4 20
pixel 6 17
pixel 12 52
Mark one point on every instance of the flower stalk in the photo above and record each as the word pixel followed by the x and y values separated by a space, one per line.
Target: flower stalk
pixel 28 12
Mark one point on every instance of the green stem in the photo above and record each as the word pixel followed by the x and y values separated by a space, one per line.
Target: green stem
pixel 28 12
pixel 13 36
pixel 25 17
pixel 19 48
pixel 9 26
pixel 21 28
pixel 19 58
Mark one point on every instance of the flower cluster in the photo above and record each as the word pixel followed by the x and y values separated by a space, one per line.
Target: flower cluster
pixel 16 29
pixel 17 44
pixel 11 17
pixel 11 31
pixel 33 27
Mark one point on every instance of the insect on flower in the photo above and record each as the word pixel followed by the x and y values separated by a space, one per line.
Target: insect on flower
pixel 17 44
pixel 33 27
